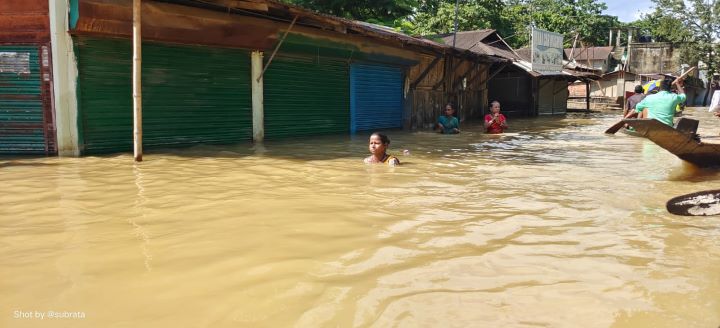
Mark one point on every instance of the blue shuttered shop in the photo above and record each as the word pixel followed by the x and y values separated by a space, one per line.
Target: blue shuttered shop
pixel 191 94
pixel 24 111
pixel 376 97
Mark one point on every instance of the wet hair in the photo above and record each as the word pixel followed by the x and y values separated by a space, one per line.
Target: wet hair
pixel 494 102
pixel 666 84
pixel 639 89
pixel 383 138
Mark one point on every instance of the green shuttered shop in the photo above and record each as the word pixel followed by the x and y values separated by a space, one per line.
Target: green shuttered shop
pixel 21 106
pixel 306 95
pixel 191 94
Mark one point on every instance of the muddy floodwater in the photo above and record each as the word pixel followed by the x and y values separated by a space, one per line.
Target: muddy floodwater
pixel 551 225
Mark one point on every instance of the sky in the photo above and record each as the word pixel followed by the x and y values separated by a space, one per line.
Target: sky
pixel 627 10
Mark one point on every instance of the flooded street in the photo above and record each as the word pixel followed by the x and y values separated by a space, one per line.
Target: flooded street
pixel 552 225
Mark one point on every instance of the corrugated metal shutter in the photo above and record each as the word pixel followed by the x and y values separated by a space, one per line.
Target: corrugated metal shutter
pixel 21 105
pixel 191 94
pixel 545 100
pixel 306 96
pixel 560 97
pixel 375 97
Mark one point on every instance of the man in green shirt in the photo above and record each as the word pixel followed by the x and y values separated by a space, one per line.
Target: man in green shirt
pixel 661 106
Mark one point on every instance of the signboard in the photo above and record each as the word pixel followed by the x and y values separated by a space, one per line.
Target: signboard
pixel 547 52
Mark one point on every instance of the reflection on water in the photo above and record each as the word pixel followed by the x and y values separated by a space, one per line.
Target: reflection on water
pixel 554 224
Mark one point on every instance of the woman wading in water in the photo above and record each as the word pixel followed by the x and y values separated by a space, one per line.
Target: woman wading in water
pixel 378 149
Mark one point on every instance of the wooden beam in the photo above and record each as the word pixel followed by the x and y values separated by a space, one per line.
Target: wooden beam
pixel 425 72
pixel 276 48
pixel 137 81
pixel 464 75
pixel 445 69
pixel 587 96
pixel 496 72
pixel 245 4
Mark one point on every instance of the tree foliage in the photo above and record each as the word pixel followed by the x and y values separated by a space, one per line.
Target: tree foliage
pixel 436 17
pixel 511 18
pixel 567 17
pixel 691 25
pixel 385 12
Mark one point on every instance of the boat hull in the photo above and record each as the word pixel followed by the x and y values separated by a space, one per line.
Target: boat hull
pixel 684 145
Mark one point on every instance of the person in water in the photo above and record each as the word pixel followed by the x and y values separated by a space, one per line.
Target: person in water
pixel 378 150
pixel 448 124
pixel 495 122
pixel 633 100
pixel 661 106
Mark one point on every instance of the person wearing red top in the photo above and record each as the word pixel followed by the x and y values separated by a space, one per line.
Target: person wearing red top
pixel 495 122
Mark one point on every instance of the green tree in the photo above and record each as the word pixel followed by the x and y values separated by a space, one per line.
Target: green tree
pixel 385 12
pixel 436 17
pixel 692 25
pixel 567 17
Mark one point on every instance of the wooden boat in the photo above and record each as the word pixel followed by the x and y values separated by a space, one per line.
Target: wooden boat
pixel 631 133
pixel 681 141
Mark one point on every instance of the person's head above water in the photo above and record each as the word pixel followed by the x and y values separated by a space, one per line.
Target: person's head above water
pixel 383 138
pixel 378 146
pixel 495 107
pixel 449 110
pixel 378 143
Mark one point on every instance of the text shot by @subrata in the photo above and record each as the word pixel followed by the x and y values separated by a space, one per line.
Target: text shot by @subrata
pixel 448 123
pixel 378 146
pixel 495 122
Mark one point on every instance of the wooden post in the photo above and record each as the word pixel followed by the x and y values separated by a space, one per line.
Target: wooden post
pixel 258 110
pixel 137 81
pixel 587 96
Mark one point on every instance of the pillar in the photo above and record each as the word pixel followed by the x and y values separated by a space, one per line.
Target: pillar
pixel 258 109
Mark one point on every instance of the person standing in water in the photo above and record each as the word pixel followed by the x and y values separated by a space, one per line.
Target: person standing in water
pixel 378 151
pixel 661 106
pixel 448 124
pixel 495 122
pixel 633 100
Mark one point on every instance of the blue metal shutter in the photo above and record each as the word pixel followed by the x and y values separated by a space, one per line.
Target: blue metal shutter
pixel 375 97
pixel 21 105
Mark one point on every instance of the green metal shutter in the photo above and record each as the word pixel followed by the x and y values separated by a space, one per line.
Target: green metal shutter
pixel 191 94
pixel 21 105
pixel 306 96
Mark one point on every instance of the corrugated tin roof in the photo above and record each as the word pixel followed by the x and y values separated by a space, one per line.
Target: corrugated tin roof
pixel 592 53
pixel 466 39
pixel 486 42
pixel 276 10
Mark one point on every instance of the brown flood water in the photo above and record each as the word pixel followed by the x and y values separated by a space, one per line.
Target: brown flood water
pixel 552 225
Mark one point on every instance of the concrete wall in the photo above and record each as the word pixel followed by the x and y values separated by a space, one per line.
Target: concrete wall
pixel 654 58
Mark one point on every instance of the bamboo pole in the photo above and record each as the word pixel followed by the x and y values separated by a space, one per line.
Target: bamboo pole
pixel 137 81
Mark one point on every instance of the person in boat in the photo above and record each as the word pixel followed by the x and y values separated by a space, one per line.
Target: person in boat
pixel 633 100
pixel 448 123
pixel 661 106
pixel 378 151
pixel 495 122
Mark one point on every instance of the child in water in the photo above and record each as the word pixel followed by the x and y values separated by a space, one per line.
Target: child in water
pixel 378 147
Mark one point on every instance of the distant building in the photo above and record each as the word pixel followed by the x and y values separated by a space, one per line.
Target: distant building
pixel 520 90
pixel 599 58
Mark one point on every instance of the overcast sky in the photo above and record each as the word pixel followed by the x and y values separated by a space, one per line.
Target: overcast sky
pixel 628 10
